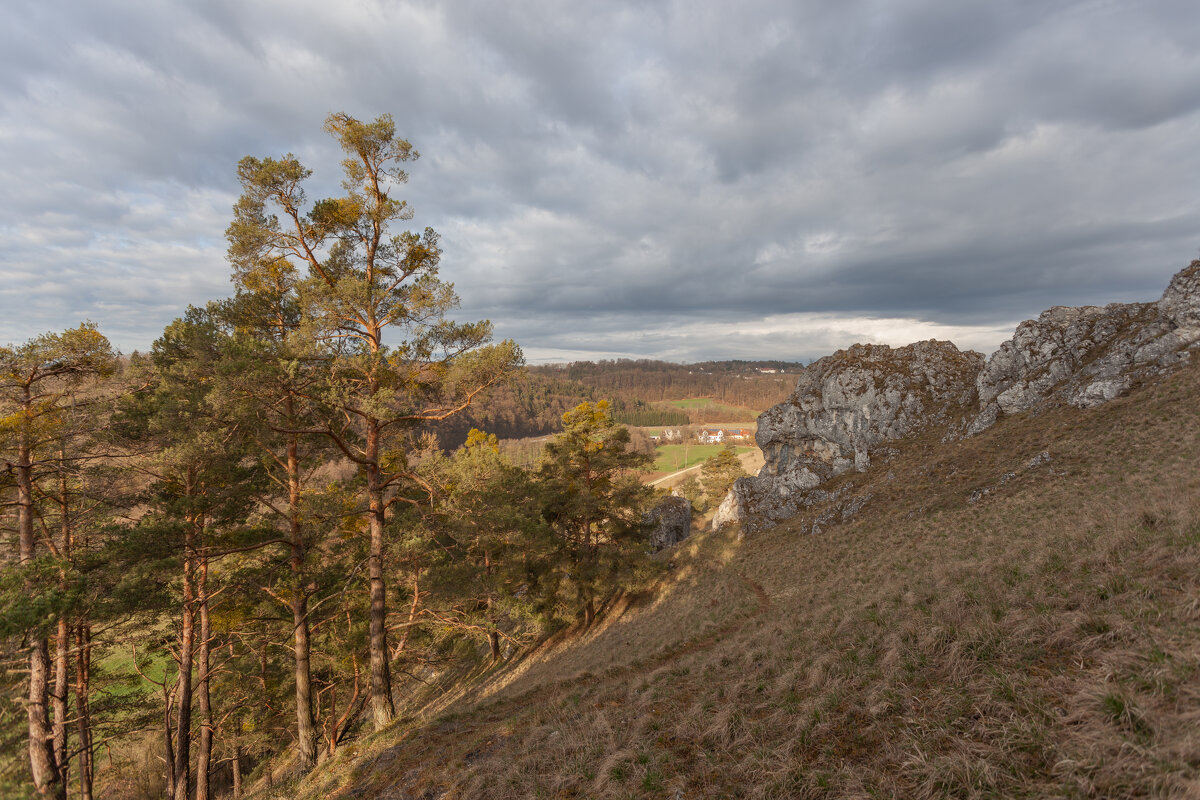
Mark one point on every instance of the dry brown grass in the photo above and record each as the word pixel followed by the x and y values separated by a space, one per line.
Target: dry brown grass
pixel 1041 642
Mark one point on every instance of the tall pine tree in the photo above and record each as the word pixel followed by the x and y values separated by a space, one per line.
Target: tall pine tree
pixel 374 302
pixel 38 380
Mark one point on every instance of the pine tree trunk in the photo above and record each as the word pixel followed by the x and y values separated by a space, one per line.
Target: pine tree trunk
pixel 237 772
pixel 494 642
pixel 62 639
pixel 204 700
pixel 83 679
pixel 62 694
pixel 493 635
pixel 382 710
pixel 306 732
pixel 47 778
pixel 183 714
pixel 169 742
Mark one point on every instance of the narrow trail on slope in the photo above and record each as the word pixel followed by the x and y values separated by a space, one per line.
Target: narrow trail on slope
pixel 734 625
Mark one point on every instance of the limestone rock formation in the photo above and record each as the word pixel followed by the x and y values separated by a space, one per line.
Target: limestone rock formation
pixel 670 522
pixel 848 405
pixel 844 407
pixel 1088 355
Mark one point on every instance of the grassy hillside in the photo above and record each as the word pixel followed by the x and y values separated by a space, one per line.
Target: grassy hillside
pixel 1042 640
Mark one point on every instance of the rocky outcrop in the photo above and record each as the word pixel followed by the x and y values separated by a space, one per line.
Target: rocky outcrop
pixel 670 522
pixel 1041 459
pixel 844 407
pixel 1086 356
pixel 849 405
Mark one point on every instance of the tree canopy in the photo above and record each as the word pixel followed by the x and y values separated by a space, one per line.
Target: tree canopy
pixel 249 541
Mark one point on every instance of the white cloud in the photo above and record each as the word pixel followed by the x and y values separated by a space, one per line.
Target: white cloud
pixel 790 337
pixel 670 179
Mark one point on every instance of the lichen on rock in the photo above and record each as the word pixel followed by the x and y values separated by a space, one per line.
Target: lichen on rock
pixel 1089 355
pixel 844 407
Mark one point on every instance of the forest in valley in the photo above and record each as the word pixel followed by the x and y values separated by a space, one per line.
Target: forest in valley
pixel 246 547
pixel 533 402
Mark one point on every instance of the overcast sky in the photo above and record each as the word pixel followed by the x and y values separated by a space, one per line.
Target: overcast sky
pixel 685 180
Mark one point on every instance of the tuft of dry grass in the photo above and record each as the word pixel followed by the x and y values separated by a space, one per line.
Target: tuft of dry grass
pixel 1042 641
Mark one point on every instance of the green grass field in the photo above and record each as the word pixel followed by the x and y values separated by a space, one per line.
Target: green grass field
pixel 706 410
pixel 691 402
pixel 671 457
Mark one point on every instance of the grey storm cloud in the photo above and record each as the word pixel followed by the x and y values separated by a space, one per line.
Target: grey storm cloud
pixel 681 180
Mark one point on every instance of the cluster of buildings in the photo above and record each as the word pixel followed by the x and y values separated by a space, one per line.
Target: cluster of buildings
pixel 706 435
pixel 721 435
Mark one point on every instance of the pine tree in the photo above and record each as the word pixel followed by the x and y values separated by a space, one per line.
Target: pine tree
pixel 199 500
pixel 361 283
pixel 268 389
pixel 718 472
pixel 484 531
pixel 38 380
pixel 595 503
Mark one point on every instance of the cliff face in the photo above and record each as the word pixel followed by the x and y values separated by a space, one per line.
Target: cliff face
pixel 846 406
pixel 1089 355
pixel 850 404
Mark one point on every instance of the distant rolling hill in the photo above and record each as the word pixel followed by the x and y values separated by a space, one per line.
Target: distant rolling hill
pixel 533 403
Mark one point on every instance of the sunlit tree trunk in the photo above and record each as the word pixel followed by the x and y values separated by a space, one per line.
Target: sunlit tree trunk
pixel 62 695
pixel 203 679
pixel 62 639
pixel 237 772
pixel 382 710
pixel 83 679
pixel 169 741
pixel 306 732
pixel 187 636
pixel 47 778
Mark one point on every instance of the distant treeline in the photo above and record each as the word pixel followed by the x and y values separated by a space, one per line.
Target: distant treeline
pixel 734 383
pixel 641 414
pixel 533 403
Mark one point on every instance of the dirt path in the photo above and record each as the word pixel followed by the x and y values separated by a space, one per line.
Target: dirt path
pixel 678 474
pixel 728 629
pixel 752 461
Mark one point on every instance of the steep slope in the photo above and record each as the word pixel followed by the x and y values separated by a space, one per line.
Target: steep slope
pixel 1014 614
